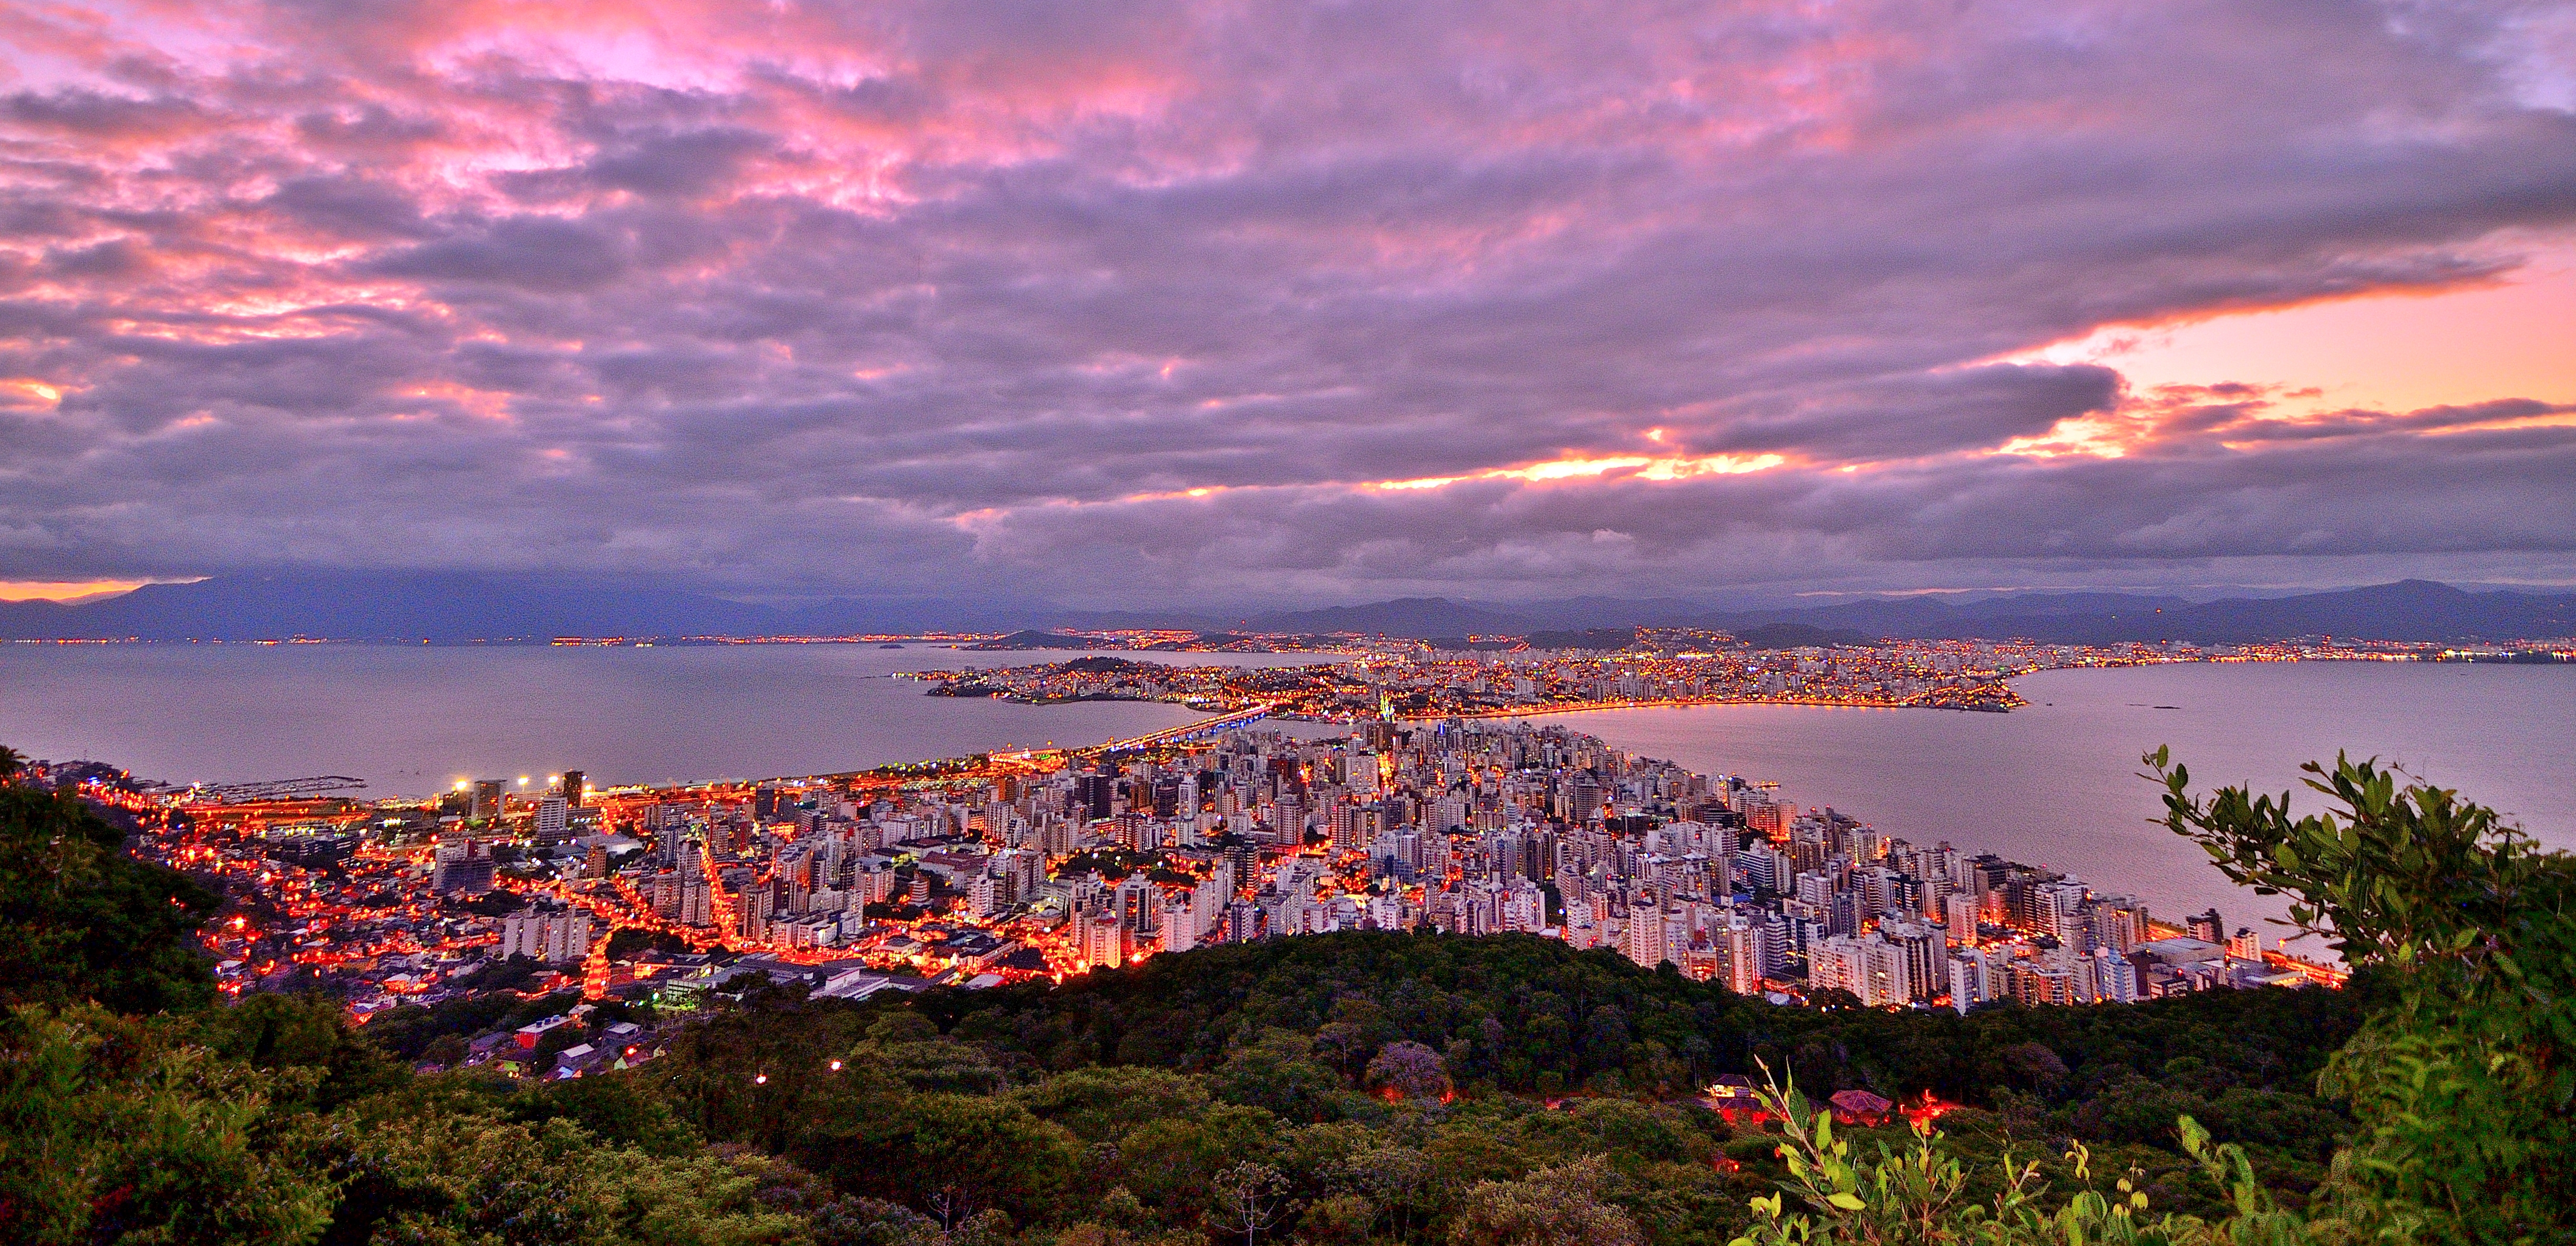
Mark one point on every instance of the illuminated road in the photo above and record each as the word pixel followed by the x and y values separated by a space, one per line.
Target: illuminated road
pixel 1186 731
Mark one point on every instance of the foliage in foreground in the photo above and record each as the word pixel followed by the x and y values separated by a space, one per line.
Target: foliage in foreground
pixel 2463 1084
pixel 2459 1085
pixel 1919 1193
pixel 79 918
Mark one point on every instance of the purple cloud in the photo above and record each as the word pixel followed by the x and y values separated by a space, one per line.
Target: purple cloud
pixel 1117 302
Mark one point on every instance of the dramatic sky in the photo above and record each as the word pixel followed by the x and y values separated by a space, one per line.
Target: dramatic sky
pixel 1270 302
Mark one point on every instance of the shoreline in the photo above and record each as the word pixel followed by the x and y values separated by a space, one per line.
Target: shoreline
pixel 1199 714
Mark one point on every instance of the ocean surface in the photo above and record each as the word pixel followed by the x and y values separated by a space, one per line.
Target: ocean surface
pixel 2054 784
pixel 412 721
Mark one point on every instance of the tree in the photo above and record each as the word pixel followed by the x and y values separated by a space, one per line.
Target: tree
pixel 109 1132
pixel 81 920
pixel 309 1032
pixel 454 1176
pixel 1551 1205
pixel 613 1107
pixel 1410 1070
pixel 1274 1071
pixel 965 1155
pixel 2463 1084
pixel 1401 1179
pixel 625 941
pixel 2459 1079
pixel 1340 1220
pixel 1247 1199
pixel 2031 1066
pixel 1099 1104
pixel 843 1220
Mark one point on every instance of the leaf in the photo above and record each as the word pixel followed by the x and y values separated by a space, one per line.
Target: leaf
pixel 2195 1138
pixel 1848 1202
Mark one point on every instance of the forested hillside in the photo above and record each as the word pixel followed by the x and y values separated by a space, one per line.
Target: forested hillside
pixel 1350 1088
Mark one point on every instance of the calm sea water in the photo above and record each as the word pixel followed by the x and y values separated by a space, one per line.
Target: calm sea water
pixel 413 721
pixel 2053 784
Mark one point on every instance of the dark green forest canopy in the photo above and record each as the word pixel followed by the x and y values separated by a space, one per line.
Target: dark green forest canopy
pixel 1531 1015
pixel 80 918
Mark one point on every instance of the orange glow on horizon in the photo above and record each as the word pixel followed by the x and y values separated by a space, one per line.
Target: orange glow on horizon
pixel 1571 467
pixel 2384 351
pixel 65 590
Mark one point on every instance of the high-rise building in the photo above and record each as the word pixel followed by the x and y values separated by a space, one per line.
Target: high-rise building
pixel 1137 903
pixel 752 908
pixel 1643 942
pixel 1963 920
pixel 552 933
pixel 1843 913
pixel 1585 799
pixel 1095 792
pixel 2115 977
pixel 2117 922
pixel 1926 955
pixel 573 787
pixel 1974 979
pixel 1764 867
pixel 1887 974
pixel 1098 939
pixel 2057 911
pixel 1878 972
pixel 553 823
pixel 1740 955
pixel 461 869
pixel 1180 926
pixel 487 801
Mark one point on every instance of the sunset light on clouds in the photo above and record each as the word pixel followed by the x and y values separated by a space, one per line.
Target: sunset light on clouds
pixel 1280 301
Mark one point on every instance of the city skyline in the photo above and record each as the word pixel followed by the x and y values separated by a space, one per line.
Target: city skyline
pixel 1006 868
pixel 1152 305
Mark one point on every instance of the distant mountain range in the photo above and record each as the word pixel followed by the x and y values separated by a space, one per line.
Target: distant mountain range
pixel 456 608
pixel 2413 610
pixel 2419 610
pixel 453 608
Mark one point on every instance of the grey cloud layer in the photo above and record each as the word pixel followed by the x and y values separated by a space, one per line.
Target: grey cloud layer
pixel 956 296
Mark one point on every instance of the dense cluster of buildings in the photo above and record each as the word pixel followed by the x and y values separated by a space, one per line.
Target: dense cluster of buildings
pixel 1488 827
pixel 1422 681
pixel 376 903
pixel 1466 826
pixel 1663 666
pixel 1058 863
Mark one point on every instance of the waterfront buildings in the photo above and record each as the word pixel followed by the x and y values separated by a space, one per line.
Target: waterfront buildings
pixel 1057 864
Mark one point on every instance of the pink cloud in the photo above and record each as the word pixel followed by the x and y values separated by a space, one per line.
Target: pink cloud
pixel 773 291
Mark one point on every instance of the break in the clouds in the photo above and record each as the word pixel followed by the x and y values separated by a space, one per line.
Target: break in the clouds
pixel 1159 302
